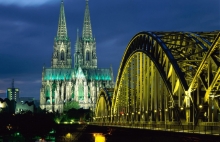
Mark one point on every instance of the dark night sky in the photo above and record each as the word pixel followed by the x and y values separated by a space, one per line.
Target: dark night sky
pixel 28 28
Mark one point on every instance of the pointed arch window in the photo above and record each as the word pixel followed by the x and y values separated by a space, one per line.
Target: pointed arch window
pixel 62 55
pixel 87 56
pixel 47 94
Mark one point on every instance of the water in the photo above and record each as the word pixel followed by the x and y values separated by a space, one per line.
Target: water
pixel 99 137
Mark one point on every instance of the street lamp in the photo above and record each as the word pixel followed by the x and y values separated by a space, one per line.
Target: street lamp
pixel 181 108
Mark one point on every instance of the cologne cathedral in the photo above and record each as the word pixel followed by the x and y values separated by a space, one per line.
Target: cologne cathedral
pixel 63 82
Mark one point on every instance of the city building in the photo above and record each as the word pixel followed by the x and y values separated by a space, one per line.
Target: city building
pixel 61 82
pixel 12 93
pixel 15 104
pixel 25 104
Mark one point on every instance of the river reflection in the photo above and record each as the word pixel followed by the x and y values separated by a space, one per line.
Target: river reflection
pixel 99 137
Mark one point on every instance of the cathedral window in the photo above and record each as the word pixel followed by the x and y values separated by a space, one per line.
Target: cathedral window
pixel 47 91
pixel 89 95
pixel 48 100
pixel 57 53
pixel 81 92
pixel 62 55
pixel 87 56
pixel 73 90
pixel 93 54
pixel 53 89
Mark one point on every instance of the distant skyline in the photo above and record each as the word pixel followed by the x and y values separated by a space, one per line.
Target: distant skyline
pixel 28 29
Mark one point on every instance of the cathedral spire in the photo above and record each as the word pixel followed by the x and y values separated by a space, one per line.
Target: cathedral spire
pixel 87 29
pixel 77 41
pixel 62 30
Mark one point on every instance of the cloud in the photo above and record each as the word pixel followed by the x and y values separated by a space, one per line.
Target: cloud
pixel 25 2
pixel 2 91
pixel 37 81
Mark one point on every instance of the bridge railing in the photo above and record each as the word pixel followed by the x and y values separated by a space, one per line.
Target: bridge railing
pixel 209 128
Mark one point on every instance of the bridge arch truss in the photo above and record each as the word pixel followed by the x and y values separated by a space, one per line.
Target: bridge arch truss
pixel 168 76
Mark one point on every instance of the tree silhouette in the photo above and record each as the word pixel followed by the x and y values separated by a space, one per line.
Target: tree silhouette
pixel 71 104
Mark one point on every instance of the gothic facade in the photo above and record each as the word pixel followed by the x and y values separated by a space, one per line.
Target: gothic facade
pixel 62 82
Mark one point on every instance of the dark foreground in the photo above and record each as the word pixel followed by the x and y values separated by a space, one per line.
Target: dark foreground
pixel 85 133
pixel 115 134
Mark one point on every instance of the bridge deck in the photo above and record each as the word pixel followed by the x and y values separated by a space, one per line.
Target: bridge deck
pixel 204 128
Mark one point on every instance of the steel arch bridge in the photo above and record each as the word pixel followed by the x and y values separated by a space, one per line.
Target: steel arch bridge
pixel 166 76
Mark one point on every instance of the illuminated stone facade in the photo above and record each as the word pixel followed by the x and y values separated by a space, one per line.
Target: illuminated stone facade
pixel 62 83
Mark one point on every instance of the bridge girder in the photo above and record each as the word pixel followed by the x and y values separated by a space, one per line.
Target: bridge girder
pixel 103 105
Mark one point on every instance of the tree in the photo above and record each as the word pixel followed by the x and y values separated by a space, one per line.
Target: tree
pixel 71 104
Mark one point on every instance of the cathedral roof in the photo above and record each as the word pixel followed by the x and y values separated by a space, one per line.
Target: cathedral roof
pixel 58 74
pixel 96 74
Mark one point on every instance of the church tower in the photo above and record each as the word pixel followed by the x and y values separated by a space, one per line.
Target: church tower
pixel 61 57
pixel 85 48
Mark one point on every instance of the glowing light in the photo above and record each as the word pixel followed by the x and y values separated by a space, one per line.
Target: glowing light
pixel 99 137
pixel 181 108
pixel 2 105
pixel 200 106
pixel 9 127
pixel 52 132
pixel 68 135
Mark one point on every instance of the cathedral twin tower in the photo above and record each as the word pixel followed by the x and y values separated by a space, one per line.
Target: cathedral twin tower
pixel 61 82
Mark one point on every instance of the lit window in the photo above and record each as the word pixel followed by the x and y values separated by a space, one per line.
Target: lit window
pixel 62 55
